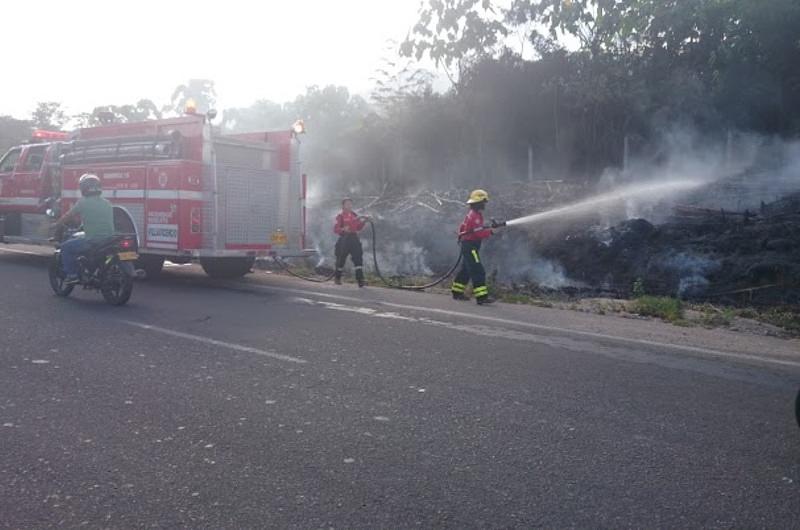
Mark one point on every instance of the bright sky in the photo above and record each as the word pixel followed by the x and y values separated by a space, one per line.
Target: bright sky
pixel 86 53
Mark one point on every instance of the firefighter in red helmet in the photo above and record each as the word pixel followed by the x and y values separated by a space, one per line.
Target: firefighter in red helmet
pixel 348 225
pixel 470 235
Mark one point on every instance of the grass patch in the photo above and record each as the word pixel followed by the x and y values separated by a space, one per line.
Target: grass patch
pixel 669 309
pixel 783 318
pixel 522 299
pixel 714 317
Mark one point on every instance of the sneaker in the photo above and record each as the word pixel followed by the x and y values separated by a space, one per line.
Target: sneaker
pixel 485 300
pixel 460 296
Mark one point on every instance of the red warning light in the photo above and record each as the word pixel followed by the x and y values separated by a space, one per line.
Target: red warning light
pixel 41 134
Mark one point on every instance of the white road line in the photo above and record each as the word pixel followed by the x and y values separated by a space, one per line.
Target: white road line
pixel 15 251
pixel 214 342
pixel 542 327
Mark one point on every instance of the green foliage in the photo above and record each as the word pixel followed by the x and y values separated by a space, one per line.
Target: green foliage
pixel 13 132
pixel 786 318
pixel 667 60
pixel 451 31
pixel 638 288
pixel 666 308
pixel 201 91
pixel 714 317
pixel 48 115
pixel 144 109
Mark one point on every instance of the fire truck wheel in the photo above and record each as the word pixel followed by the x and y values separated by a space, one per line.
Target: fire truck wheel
pixel 227 267
pixel 151 265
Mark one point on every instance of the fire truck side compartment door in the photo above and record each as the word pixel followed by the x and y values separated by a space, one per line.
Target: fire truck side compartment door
pixel 29 173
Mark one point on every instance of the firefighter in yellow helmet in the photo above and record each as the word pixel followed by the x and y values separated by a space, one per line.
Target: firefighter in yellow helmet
pixel 470 235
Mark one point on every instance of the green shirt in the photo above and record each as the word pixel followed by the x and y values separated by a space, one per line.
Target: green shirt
pixel 97 216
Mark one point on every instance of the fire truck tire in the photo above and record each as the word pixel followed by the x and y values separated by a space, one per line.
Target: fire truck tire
pixel 227 268
pixel 151 265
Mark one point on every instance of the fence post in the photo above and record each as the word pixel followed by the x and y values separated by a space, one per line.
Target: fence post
pixel 530 162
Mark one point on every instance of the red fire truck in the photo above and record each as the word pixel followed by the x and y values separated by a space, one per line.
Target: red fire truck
pixel 185 191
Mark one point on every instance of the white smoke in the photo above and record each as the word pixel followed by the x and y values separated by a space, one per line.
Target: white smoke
pixel 400 258
pixel 692 272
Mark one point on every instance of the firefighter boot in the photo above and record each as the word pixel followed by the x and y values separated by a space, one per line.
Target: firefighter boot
pixel 337 278
pixel 360 277
pixel 482 295
pixel 458 290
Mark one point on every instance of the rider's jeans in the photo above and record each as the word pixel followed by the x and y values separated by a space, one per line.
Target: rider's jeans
pixel 70 250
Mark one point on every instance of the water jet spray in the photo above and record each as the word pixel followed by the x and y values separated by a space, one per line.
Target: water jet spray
pixel 590 205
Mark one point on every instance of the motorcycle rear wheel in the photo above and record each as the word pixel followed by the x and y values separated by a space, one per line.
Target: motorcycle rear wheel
pixel 57 278
pixel 116 286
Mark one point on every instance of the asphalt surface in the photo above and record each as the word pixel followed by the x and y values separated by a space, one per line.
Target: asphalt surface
pixel 274 403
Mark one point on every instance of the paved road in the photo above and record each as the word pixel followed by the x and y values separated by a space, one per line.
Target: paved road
pixel 272 403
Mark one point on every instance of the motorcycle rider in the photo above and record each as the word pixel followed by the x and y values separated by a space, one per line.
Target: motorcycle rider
pixel 348 225
pixel 97 216
pixel 470 236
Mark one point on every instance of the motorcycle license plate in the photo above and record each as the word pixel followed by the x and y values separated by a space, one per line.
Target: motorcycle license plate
pixel 127 256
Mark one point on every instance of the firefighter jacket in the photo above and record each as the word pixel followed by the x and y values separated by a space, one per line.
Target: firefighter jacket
pixel 468 229
pixel 348 222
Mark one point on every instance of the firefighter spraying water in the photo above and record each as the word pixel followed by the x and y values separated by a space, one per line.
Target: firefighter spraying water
pixel 470 235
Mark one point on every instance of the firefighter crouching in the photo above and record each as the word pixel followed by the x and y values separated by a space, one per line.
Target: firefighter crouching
pixel 470 236
pixel 348 225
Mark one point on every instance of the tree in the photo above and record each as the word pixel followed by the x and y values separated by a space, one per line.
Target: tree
pixel 48 115
pixel 143 110
pixel 13 132
pixel 201 91
pixel 454 32
pixel 262 115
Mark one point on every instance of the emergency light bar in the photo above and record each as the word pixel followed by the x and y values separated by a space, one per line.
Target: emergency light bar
pixel 41 134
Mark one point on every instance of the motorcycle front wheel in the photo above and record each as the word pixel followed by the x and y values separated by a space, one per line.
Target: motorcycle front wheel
pixel 116 286
pixel 57 277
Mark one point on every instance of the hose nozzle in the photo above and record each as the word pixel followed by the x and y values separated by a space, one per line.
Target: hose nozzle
pixel 498 224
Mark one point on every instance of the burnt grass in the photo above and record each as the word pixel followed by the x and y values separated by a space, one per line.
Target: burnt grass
pixel 723 265
pixel 718 257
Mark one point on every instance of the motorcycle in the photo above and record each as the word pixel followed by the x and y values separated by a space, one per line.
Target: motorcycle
pixel 107 266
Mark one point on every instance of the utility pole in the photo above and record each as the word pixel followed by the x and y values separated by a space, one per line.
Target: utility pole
pixel 530 162
pixel 626 153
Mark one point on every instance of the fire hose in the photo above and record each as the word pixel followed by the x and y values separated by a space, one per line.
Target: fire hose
pixel 285 267
pixel 387 283
pixel 400 286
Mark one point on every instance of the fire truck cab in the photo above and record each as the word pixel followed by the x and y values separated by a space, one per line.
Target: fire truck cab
pixel 186 192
